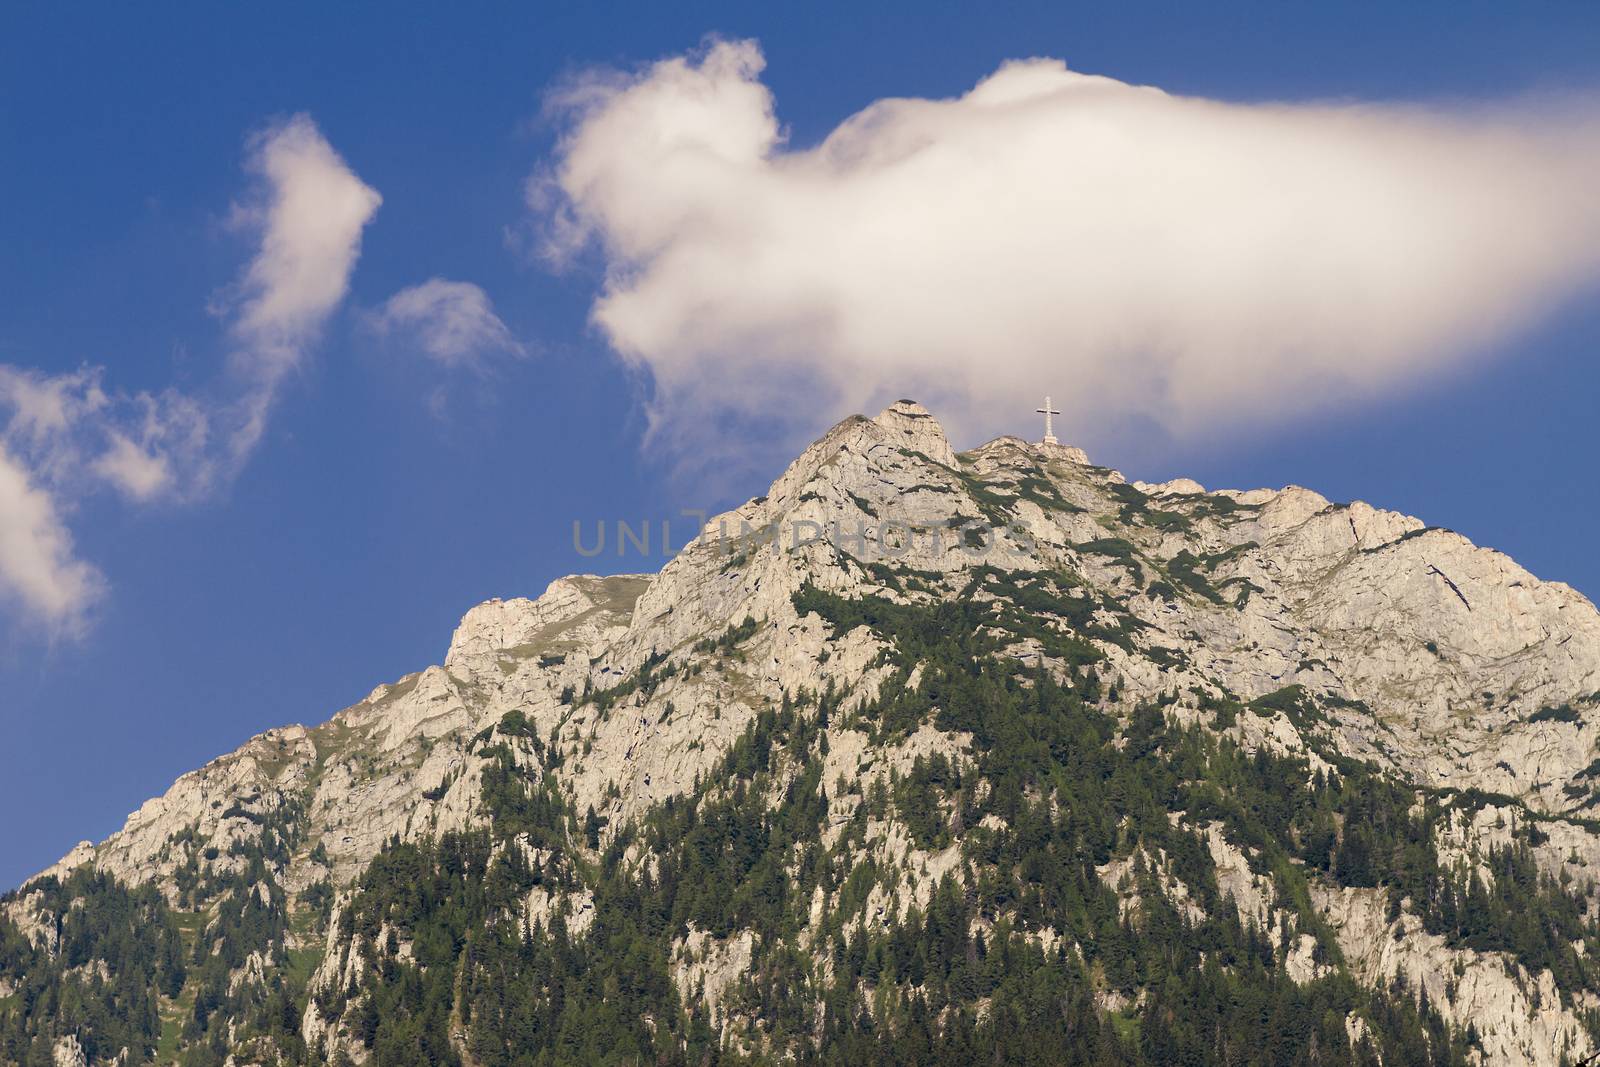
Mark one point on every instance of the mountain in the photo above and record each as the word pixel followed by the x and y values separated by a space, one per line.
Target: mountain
pixel 922 757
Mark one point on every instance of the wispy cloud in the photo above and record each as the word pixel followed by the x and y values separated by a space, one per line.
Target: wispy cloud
pixel 309 213
pixel 40 575
pixel 1196 262
pixel 71 430
pixel 453 323
pixel 64 436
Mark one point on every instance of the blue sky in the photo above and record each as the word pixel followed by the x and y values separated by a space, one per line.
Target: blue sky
pixel 389 491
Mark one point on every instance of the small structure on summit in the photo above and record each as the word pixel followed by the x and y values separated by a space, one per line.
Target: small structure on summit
pixel 1049 429
pixel 1053 447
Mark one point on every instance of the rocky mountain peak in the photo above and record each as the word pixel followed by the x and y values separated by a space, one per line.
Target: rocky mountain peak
pixel 993 705
pixel 912 427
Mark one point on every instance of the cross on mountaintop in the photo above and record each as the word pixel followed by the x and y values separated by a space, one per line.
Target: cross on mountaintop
pixel 1049 429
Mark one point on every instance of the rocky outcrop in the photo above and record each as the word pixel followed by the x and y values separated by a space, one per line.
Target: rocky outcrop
pixel 576 612
pixel 709 969
pixel 1518 1017
pixel 69 1053
pixel 1441 662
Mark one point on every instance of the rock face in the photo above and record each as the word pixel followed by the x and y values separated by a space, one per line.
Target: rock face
pixel 1342 639
pixel 573 613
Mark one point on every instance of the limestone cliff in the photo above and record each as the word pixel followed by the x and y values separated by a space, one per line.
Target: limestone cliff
pixel 1351 643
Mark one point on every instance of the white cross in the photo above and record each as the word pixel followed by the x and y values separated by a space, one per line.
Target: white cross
pixel 1049 429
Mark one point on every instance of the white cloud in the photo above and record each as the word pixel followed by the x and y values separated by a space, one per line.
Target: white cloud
pixel 310 216
pixel 64 436
pixel 140 473
pixel 452 322
pixel 61 438
pixel 1134 253
pixel 38 571
pixel 43 406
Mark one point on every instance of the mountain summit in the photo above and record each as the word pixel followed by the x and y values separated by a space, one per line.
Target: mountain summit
pixel 924 757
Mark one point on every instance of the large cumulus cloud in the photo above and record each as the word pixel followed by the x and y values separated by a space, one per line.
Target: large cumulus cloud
pixel 1137 254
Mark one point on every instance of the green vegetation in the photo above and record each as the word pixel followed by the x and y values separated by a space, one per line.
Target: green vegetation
pixel 731 638
pixel 1207 505
pixel 866 505
pixel 1563 713
pixel 1043 492
pixel 131 932
pixel 1184 568
pixel 1135 509
pixel 1119 549
pixel 644 681
pixel 995 508
pixel 549 935
pixel 744 853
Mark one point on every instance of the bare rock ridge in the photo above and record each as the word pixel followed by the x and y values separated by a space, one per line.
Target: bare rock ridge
pixel 911 426
pixel 1328 633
